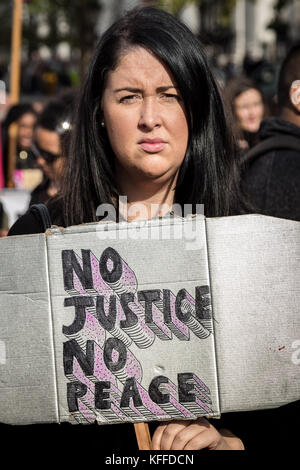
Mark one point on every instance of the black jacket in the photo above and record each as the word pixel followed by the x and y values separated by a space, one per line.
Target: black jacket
pixel 272 180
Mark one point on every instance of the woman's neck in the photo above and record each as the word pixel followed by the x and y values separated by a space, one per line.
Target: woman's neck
pixel 145 200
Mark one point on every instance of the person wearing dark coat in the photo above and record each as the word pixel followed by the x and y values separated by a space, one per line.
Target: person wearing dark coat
pixel 51 136
pixel 272 168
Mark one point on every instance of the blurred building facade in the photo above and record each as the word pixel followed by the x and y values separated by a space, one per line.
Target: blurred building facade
pixel 245 33
pixel 253 34
pixel 249 32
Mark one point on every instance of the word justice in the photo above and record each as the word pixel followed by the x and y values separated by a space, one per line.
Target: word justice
pixel 108 290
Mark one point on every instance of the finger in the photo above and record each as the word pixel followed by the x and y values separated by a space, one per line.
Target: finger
pixel 185 435
pixel 156 438
pixel 208 439
pixel 231 441
pixel 170 432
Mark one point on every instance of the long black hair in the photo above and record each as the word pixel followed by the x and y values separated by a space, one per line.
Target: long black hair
pixel 208 174
pixel 13 115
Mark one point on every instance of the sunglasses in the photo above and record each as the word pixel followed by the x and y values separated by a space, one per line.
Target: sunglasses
pixel 49 157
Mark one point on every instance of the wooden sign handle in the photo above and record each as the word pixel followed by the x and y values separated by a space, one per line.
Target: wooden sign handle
pixel 143 436
pixel 16 45
pixel 16 41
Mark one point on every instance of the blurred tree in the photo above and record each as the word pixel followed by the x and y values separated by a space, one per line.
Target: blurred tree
pixel 74 22
pixel 6 19
pixel 215 17
pixel 173 6
pixel 225 7
pixel 216 25
pixel 279 25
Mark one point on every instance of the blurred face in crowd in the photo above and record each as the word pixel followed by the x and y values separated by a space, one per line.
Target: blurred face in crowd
pixel 26 125
pixel 145 120
pixel 249 110
pixel 49 153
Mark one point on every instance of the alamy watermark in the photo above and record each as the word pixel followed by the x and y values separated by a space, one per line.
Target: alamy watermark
pixel 296 354
pixel 172 227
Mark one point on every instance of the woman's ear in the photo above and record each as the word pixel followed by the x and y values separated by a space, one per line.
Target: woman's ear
pixel 295 95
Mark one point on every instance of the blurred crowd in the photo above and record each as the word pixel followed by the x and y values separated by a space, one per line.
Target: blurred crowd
pixel 259 103
pixel 44 77
pixel 41 148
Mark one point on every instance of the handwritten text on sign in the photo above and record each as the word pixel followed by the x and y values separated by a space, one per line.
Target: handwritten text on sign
pixel 111 315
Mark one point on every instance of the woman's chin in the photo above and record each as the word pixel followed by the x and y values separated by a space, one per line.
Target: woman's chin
pixel 252 128
pixel 157 174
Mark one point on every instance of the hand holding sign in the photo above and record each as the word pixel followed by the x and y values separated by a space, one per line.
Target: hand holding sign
pixel 194 435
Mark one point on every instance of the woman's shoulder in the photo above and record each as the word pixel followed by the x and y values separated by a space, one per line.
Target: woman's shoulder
pixel 27 224
pixel 31 222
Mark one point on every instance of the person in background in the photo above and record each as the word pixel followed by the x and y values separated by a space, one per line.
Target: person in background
pixel 25 116
pixel 272 171
pixel 51 136
pixel 245 102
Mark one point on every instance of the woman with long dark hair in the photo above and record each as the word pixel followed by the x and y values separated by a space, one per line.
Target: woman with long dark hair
pixel 150 125
pixel 207 174
pixel 25 116
pixel 245 101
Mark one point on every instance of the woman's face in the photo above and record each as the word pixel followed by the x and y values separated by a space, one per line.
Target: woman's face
pixel 26 125
pixel 145 119
pixel 249 110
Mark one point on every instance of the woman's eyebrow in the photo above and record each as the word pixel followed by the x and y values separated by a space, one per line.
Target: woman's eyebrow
pixel 140 90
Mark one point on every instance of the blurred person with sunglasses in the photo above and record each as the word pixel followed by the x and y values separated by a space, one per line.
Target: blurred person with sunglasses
pixel 51 140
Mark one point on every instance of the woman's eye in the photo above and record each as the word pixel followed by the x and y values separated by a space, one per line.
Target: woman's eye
pixel 170 97
pixel 129 98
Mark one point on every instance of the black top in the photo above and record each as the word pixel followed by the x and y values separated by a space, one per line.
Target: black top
pixel 40 194
pixel 27 224
pixel 31 223
pixel 272 180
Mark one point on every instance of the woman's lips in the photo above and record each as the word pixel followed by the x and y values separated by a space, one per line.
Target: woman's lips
pixel 152 147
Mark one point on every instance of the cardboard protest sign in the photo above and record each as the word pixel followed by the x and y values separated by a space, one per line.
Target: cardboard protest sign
pixel 254 264
pixel 156 320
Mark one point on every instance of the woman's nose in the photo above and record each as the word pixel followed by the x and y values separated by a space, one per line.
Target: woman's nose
pixel 150 115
